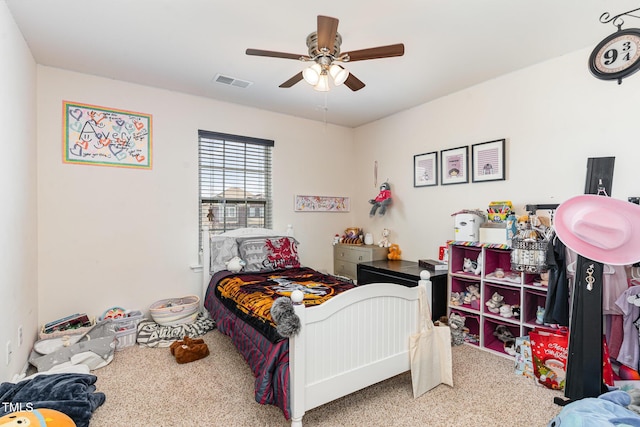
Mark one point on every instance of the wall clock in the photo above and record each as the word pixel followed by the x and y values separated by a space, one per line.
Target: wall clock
pixel 617 56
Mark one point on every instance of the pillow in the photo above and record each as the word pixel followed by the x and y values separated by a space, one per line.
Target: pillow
pixel 223 248
pixel 268 253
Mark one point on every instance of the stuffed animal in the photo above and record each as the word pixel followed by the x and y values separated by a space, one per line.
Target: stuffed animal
pixel 188 350
pixel 540 315
pixel 503 333
pixel 472 266
pixel 394 252
pixel 495 303
pixel 442 321
pixel 36 417
pixel 525 231
pixel 456 324
pixel 235 264
pixel 384 242
pixel 505 311
pixel 382 200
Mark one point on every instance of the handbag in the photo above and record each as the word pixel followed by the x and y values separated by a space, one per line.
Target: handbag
pixel 430 352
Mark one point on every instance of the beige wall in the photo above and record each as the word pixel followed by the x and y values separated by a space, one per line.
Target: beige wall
pixel 554 116
pixel 113 236
pixel 18 262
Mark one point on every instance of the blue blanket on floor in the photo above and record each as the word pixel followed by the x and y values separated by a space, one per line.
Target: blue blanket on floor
pixel 72 394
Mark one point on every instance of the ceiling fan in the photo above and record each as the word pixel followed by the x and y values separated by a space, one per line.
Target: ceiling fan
pixel 324 52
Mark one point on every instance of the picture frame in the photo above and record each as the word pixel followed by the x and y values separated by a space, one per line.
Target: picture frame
pixel 488 161
pixel 303 203
pixel 425 169
pixel 101 136
pixel 454 165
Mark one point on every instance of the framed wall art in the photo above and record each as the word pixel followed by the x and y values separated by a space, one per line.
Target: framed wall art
pixel 454 167
pixel 321 204
pixel 488 161
pixel 101 136
pixel 425 169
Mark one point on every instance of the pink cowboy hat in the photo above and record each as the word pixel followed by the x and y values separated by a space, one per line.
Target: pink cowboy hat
pixel 600 228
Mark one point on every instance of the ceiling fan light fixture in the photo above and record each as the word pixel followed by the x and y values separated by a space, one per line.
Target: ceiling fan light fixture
pixel 338 74
pixel 323 83
pixel 311 74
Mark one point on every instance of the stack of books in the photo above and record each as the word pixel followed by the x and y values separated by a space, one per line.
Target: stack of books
pixel 74 321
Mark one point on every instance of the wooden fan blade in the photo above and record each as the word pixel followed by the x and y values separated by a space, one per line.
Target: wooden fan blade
pixel 353 83
pixel 376 52
pixel 293 80
pixel 272 54
pixel 327 29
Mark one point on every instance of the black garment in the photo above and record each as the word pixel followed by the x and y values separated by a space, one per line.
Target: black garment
pixel 584 361
pixel 556 309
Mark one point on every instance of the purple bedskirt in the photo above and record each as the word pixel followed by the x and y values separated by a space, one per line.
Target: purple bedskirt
pixel 268 361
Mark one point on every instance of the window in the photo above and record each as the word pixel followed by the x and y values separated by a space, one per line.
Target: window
pixel 235 181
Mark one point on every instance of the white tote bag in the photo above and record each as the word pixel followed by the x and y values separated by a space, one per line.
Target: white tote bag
pixel 430 352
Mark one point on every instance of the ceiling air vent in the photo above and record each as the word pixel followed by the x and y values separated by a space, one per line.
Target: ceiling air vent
pixel 231 81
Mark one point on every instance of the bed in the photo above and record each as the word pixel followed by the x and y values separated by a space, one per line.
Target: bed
pixel 356 338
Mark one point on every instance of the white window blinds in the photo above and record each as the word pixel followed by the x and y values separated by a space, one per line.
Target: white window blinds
pixel 235 181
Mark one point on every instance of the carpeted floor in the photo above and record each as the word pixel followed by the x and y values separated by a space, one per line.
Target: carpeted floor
pixel 146 387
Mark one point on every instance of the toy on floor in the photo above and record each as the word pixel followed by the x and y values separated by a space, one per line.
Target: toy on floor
pixel 40 417
pixel 394 252
pixel 382 200
pixel 456 324
pixel 188 350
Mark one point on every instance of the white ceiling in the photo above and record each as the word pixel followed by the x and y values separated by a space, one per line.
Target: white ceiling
pixel 180 45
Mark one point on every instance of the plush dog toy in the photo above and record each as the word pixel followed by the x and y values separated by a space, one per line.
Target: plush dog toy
pixel 382 200
pixel 187 350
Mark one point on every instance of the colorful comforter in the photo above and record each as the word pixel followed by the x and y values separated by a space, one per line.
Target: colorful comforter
pixel 250 295
pixel 247 321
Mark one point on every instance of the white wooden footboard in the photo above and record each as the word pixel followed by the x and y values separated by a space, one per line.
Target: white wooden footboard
pixel 356 339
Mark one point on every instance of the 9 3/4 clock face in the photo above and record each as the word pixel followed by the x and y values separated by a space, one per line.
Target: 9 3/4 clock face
pixel 617 56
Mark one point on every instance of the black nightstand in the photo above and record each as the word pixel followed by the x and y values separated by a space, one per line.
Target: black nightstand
pixel 406 273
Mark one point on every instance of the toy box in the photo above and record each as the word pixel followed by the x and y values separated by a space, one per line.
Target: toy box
pixel 524 360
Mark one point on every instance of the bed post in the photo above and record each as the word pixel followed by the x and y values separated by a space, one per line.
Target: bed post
pixel 206 261
pixel 425 280
pixel 297 366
